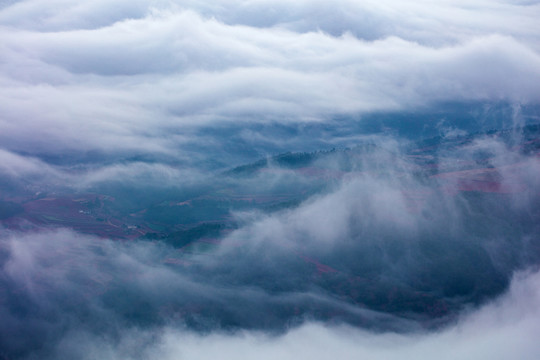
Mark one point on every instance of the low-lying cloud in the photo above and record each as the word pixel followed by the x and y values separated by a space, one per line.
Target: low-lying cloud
pixel 126 117
pixel 66 295
pixel 385 248
pixel 501 330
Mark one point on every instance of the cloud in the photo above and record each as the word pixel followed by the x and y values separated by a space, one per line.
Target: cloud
pixel 424 21
pixel 69 295
pixel 499 330
pixel 145 74
pixel 382 249
pixel 146 96
pixel 19 166
pixel 502 329
pixel 59 283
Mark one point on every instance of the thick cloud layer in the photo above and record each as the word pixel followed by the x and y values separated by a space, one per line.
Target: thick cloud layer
pixel 135 76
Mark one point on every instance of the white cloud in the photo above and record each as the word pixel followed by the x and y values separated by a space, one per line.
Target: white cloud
pixel 504 329
pixel 13 165
pixel 66 276
pixel 140 77
pixel 125 83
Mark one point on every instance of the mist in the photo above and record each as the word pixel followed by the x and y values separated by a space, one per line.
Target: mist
pixel 186 179
pixel 403 258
